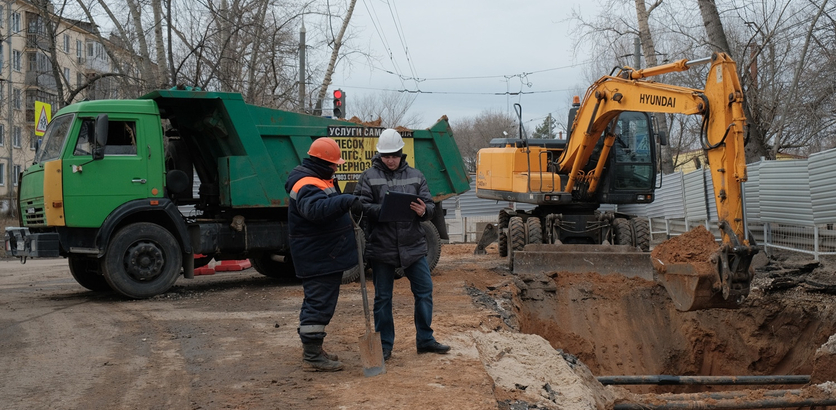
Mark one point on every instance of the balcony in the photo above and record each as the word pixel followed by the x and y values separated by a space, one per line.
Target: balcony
pixel 40 79
pixel 37 41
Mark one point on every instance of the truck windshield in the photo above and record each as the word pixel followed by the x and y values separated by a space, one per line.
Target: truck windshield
pixel 54 137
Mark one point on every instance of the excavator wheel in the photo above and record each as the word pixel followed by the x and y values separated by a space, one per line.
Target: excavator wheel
pixel 516 238
pixel 502 241
pixel 641 227
pixel 535 230
pixel 623 232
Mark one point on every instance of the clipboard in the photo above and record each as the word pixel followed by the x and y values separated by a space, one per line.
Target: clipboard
pixel 395 207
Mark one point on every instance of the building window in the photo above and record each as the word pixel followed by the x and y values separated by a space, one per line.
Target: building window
pixel 16 56
pixel 67 75
pixel 79 50
pixel 16 98
pixel 1 53
pixel 2 174
pixel 15 28
pixel 79 79
pixel 2 15
pixel 66 43
pixel 16 173
pixel 2 135
pixel 33 141
pixel 16 137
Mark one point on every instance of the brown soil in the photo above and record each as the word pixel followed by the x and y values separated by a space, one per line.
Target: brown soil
pixel 229 340
pixel 694 247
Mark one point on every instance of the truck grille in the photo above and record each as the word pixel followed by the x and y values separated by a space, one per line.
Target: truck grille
pixel 33 212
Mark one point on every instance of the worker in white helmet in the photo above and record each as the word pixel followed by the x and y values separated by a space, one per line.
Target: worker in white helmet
pixel 393 245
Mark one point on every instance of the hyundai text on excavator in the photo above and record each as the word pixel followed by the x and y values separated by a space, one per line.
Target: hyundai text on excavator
pixel 610 157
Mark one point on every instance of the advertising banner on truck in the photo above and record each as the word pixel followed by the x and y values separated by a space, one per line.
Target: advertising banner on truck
pixel 358 146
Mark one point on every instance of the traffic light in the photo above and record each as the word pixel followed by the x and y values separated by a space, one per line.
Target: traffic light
pixel 339 104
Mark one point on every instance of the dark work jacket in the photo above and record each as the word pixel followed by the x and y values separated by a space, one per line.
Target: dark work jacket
pixel 394 243
pixel 321 232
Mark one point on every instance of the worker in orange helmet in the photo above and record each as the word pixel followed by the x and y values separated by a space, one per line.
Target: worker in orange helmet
pixel 322 245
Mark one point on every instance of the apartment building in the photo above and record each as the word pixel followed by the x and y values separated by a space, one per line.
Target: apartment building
pixel 26 76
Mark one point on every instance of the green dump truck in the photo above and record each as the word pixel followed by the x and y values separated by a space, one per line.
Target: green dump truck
pixel 112 178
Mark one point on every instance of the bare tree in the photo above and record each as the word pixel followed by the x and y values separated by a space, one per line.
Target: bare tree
pixel 475 133
pixel 332 63
pixel 391 108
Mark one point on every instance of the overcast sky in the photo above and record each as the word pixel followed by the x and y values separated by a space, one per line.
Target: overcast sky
pixel 469 54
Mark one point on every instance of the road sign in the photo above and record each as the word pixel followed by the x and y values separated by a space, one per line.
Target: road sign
pixel 44 115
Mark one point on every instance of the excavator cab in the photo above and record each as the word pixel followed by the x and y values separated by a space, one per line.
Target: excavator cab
pixel 630 175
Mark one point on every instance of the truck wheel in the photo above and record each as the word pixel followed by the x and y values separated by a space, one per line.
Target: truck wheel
pixel 142 260
pixel 433 244
pixel 623 232
pixel 642 229
pixel 516 239
pixel 266 266
pixel 535 230
pixel 87 273
pixel 502 241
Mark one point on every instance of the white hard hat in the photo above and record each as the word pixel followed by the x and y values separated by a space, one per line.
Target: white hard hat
pixel 390 141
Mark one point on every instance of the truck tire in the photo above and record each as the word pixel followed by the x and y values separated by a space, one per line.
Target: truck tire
pixel 534 230
pixel 623 232
pixel 641 227
pixel 433 244
pixel 502 241
pixel 264 264
pixel 142 260
pixel 87 273
pixel 516 238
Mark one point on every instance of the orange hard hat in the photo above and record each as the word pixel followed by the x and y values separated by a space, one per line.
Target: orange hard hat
pixel 326 149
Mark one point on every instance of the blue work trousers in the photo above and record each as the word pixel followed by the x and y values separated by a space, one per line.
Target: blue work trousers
pixel 321 294
pixel 421 284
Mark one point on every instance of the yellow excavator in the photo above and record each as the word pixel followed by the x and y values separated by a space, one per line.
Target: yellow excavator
pixel 610 157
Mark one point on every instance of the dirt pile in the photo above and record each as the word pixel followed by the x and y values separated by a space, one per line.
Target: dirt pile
pixel 525 368
pixel 694 247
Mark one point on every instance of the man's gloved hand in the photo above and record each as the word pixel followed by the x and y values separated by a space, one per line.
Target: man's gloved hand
pixel 357 207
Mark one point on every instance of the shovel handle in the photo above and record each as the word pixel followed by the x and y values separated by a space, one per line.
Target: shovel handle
pixel 357 233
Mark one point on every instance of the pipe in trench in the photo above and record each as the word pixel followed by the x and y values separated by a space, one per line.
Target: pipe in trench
pixel 726 401
pixel 704 380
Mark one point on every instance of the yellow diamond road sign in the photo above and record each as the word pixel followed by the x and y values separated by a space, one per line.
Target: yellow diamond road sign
pixel 44 112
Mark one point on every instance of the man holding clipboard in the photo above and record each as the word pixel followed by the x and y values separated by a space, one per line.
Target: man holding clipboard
pixel 396 199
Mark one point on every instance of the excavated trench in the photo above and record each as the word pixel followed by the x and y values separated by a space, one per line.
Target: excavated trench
pixel 629 326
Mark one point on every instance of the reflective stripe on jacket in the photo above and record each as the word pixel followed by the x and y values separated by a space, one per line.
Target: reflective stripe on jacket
pixel 321 232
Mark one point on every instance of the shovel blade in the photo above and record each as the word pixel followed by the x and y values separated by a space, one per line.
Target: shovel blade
pixel 371 354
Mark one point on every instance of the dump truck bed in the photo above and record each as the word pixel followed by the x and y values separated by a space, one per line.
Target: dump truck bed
pixel 252 149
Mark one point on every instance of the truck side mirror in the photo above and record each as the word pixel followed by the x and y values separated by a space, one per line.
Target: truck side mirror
pixel 100 137
pixel 662 136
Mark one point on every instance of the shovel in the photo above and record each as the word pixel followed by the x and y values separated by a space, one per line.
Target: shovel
pixel 371 349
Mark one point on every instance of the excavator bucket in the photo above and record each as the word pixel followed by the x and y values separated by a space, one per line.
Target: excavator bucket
pixel 604 259
pixel 694 286
pixel 700 275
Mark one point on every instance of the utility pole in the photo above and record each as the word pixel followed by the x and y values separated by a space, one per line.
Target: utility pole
pixel 302 68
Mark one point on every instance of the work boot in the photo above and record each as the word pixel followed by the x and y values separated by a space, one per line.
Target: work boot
pixel 315 360
pixel 434 347
pixel 329 355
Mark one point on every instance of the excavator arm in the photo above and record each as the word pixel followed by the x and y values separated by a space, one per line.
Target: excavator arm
pixel 568 180
pixel 721 105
